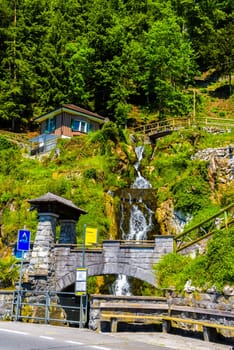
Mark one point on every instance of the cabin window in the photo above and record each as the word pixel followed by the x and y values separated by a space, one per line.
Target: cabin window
pixel 81 125
pixel 50 125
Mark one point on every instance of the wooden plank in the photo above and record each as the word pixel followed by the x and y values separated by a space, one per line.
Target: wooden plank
pixel 160 318
pixel 129 318
pixel 123 306
pixel 198 322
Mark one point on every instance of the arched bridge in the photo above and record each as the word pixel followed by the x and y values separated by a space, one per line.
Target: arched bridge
pixel 131 258
pixel 52 266
pixel 157 129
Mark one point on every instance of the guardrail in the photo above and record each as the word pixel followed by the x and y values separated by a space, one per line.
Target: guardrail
pixel 99 246
pixel 49 307
pixel 209 322
pixel 169 125
pixel 220 221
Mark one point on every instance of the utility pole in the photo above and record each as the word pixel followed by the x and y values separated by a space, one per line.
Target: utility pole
pixel 194 103
pixel 14 41
pixel 14 55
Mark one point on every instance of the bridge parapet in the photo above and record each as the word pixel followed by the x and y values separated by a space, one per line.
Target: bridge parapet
pixel 132 258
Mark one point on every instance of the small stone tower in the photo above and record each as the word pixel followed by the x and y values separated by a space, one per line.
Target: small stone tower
pixel 52 210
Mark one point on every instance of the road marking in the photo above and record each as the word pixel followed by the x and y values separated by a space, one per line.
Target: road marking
pixel 14 332
pixel 44 337
pixel 74 342
pixel 100 347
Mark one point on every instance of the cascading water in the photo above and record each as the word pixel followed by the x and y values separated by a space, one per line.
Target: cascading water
pixel 140 181
pixel 140 222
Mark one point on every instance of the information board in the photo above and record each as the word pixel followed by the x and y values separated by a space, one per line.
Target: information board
pixel 81 281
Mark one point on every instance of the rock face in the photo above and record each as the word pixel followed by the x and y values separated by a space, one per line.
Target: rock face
pixel 221 163
pixel 221 179
pixel 167 219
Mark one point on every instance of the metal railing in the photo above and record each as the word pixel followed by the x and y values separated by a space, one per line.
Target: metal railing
pixel 49 307
pixel 222 220
pixel 173 124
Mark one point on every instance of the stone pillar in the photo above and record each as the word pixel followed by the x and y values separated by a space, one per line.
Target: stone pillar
pixel 163 245
pixel 41 267
pixel 67 231
pixel 110 254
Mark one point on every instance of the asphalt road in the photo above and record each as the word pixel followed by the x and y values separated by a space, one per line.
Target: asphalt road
pixel 25 336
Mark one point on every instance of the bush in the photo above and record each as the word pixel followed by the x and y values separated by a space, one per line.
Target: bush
pixel 216 267
pixel 6 144
pixel 170 271
pixel 90 174
pixel 9 272
pixel 220 261
pixel 191 194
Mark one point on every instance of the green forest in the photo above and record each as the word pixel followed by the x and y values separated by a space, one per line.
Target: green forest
pixel 109 56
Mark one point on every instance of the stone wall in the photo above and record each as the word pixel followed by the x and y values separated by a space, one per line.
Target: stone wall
pixel 210 307
pixel 211 299
pixel 6 298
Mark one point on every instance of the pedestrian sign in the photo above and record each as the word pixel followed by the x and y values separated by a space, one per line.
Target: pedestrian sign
pixel 23 240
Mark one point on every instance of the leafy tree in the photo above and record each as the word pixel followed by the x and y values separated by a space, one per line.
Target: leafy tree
pixel 222 51
pixel 202 19
pixel 168 67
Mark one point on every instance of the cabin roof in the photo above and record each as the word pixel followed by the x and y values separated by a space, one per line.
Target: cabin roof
pixel 71 109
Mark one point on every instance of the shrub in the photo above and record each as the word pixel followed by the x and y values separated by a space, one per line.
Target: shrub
pixel 6 144
pixel 9 272
pixel 191 194
pixel 170 271
pixel 214 268
pixel 220 263
pixel 90 173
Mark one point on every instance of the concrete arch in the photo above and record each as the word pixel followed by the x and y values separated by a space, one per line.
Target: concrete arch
pixel 109 269
pixel 122 268
pixel 134 260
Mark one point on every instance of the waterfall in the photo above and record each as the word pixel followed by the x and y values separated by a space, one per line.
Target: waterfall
pixel 140 222
pixel 140 181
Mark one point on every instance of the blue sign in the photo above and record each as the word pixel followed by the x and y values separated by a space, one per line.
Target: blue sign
pixel 23 240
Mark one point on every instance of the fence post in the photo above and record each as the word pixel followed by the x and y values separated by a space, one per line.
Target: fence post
pixel 47 310
pixel 18 305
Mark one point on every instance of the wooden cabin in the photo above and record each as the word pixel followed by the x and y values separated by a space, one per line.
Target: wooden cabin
pixel 66 121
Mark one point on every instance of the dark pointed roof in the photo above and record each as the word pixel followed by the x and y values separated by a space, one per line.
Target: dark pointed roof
pixel 50 202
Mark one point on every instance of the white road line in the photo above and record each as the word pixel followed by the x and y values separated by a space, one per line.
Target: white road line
pixel 100 347
pixel 44 337
pixel 74 342
pixel 14 332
